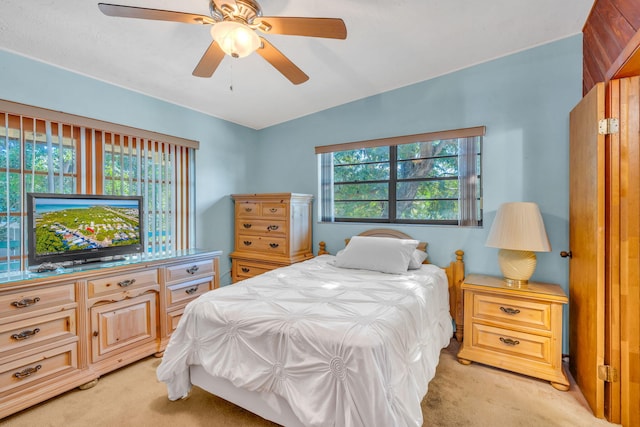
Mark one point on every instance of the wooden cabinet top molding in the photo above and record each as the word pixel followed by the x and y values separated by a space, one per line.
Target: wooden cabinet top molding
pixel 272 196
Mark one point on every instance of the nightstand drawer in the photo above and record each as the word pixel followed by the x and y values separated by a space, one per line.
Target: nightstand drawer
pixel 512 311
pixel 512 343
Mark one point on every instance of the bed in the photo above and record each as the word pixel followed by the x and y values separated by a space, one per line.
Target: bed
pixel 332 341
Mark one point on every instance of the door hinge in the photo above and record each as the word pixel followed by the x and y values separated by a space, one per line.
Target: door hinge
pixel 608 126
pixel 607 373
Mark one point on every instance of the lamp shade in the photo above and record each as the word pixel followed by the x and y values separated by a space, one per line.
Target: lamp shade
pixel 519 226
pixel 235 39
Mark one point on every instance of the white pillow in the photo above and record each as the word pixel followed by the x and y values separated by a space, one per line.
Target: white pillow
pixel 385 254
pixel 417 258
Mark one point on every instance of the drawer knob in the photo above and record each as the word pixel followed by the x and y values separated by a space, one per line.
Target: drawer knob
pixel 246 225
pixel 193 269
pixel 509 310
pixel 27 372
pixel 25 334
pixel 272 227
pixel 509 341
pixel 247 242
pixel 245 270
pixel 274 245
pixel 273 210
pixel 125 283
pixel 248 209
pixel 26 302
pixel 191 291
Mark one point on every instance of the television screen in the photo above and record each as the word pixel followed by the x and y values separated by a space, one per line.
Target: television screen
pixel 82 228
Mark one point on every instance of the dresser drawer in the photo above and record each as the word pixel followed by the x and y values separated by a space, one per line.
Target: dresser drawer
pixel 261 226
pixel 122 282
pixel 35 299
pixel 512 311
pixel 173 318
pixel 265 244
pixel 31 370
pixel 187 291
pixel 32 331
pixel 274 210
pixel 189 271
pixel 511 343
pixel 248 209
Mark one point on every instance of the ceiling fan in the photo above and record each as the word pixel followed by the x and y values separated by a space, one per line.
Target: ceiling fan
pixel 233 29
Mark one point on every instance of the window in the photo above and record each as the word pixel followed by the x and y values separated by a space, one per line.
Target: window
pixel 431 178
pixel 44 151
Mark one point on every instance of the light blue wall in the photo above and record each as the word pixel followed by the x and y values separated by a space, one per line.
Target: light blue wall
pixel 524 101
pixel 221 161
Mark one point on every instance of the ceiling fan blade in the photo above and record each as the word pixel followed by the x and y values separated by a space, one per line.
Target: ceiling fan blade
pixel 209 61
pixel 155 14
pixel 281 63
pixel 331 28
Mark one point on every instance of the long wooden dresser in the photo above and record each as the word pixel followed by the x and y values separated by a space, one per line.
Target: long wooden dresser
pixel 271 230
pixel 61 330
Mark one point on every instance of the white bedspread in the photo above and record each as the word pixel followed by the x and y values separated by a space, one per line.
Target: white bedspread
pixel 343 347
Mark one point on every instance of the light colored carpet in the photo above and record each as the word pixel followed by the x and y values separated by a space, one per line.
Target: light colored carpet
pixel 474 395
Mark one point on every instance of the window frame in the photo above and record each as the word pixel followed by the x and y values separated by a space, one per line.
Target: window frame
pixel 469 208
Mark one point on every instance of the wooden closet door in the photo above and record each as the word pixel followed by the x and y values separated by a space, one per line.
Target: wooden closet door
pixel 623 294
pixel 587 245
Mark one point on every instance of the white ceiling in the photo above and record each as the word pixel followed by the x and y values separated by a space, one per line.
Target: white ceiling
pixel 389 44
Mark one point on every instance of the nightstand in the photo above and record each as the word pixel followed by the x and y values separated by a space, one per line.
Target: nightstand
pixel 514 328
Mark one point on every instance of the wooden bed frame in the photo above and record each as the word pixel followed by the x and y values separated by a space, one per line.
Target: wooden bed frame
pixel 455 273
pixel 273 407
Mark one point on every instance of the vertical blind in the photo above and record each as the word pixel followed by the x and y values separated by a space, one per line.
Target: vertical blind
pixel 44 151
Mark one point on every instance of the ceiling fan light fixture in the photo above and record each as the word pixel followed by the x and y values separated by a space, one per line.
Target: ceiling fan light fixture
pixel 235 39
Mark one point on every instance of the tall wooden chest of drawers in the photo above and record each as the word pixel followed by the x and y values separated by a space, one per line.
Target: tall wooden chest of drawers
pixel 271 230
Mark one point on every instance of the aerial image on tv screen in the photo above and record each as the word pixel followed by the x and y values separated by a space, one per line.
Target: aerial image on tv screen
pixel 85 224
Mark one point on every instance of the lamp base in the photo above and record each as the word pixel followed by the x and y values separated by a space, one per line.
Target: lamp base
pixel 517 266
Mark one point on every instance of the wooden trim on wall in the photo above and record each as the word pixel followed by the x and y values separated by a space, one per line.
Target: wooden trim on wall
pixel 58 116
pixel 406 139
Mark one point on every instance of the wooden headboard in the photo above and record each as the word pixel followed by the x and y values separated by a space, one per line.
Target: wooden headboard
pixel 455 272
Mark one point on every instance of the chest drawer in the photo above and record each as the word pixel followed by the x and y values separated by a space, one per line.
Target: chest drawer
pixel 244 269
pixel 266 244
pixel 184 292
pixel 37 368
pixel 512 311
pixel 274 210
pixel 189 271
pixel 55 326
pixel 113 284
pixel 248 210
pixel 35 299
pixel 261 226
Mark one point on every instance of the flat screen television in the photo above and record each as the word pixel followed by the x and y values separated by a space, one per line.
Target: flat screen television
pixel 69 229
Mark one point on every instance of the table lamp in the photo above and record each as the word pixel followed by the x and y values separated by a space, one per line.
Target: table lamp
pixel 518 230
